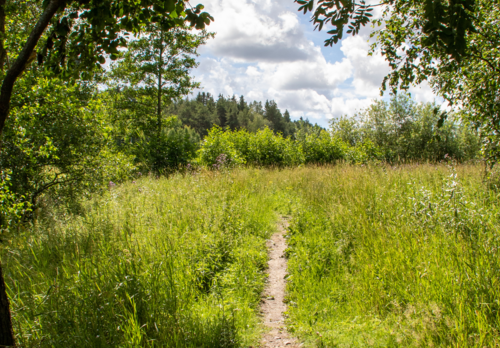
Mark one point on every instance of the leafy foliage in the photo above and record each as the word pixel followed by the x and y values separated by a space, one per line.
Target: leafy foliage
pixel 147 78
pixel 172 149
pixel 452 44
pixel 58 143
pixel 84 32
pixel 405 131
pixel 442 24
pixel 154 72
pixel 264 148
pixel 13 206
pixel 80 35
pixel 217 143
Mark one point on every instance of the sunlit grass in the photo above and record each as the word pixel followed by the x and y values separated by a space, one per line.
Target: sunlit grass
pixel 379 256
pixel 160 262
pixel 395 257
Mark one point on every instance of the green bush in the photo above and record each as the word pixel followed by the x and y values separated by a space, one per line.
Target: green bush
pixel 12 206
pixel 57 143
pixel 216 143
pixel 175 147
pixel 321 148
pixel 265 148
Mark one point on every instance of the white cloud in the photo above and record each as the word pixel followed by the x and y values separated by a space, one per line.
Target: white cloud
pixel 344 106
pixel 264 49
pixel 369 70
pixel 256 31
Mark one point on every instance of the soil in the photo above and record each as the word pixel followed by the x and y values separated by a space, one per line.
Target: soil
pixel 272 306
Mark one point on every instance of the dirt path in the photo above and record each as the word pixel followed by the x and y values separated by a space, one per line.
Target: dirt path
pixel 272 303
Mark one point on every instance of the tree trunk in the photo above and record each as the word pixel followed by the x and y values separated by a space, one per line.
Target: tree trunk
pixel 17 68
pixel 160 67
pixel 6 332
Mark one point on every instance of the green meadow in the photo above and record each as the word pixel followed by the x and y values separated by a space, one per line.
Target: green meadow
pixel 378 256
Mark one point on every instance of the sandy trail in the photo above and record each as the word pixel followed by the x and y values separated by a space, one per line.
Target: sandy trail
pixel 272 306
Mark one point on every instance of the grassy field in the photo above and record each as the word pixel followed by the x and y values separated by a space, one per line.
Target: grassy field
pixel 395 257
pixel 177 263
pixel 378 256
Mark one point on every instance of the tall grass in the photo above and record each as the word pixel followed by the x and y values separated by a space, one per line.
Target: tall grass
pixel 379 256
pixel 177 263
pixel 395 257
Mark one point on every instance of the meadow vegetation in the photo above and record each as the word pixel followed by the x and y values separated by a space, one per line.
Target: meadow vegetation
pixel 379 256
pixel 155 262
pixel 382 253
pixel 395 257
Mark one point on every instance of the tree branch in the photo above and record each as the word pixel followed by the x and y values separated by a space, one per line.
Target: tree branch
pixel 17 68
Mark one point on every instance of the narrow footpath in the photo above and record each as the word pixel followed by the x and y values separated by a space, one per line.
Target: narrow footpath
pixel 272 306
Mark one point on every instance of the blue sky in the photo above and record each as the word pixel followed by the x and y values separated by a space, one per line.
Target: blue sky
pixel 266 49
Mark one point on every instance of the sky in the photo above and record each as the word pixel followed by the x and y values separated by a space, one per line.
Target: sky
pixel 266 49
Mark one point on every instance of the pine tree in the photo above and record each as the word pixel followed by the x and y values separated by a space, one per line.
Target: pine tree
pixel 273 115
pixel 232 114
pixel 221 111
pixel 242 105
pixel 286 117
pixel 288 126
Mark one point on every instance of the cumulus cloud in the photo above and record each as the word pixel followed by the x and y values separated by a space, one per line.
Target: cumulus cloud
pixel 257 31
pixel 264 50
pixel 369 71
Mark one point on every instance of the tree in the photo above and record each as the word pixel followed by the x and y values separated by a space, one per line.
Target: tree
pixel 150 75
pixel 155 69
pixel 242 104
pixel 81 33
pixel 232 113
pixel 451 43
pixel 288 125
pixel 55 134
pixel 273 115
pixel 221 111
pixel 406 131
pixel 196 115
pixel 440 24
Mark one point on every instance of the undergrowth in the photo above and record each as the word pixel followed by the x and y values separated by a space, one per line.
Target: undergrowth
pixel 395 257
pixel 379 256
pixel 155 263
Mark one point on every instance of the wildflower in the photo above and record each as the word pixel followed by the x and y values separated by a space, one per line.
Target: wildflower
pixel 111 184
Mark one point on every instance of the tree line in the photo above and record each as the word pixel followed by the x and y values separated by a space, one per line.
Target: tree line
pixel 202 112
pixel 64 141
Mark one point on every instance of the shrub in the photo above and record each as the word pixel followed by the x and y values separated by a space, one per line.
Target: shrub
pixel 321 148
pixel 216 143
pixel 174 147
pixel 264 148
pixel 57 143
